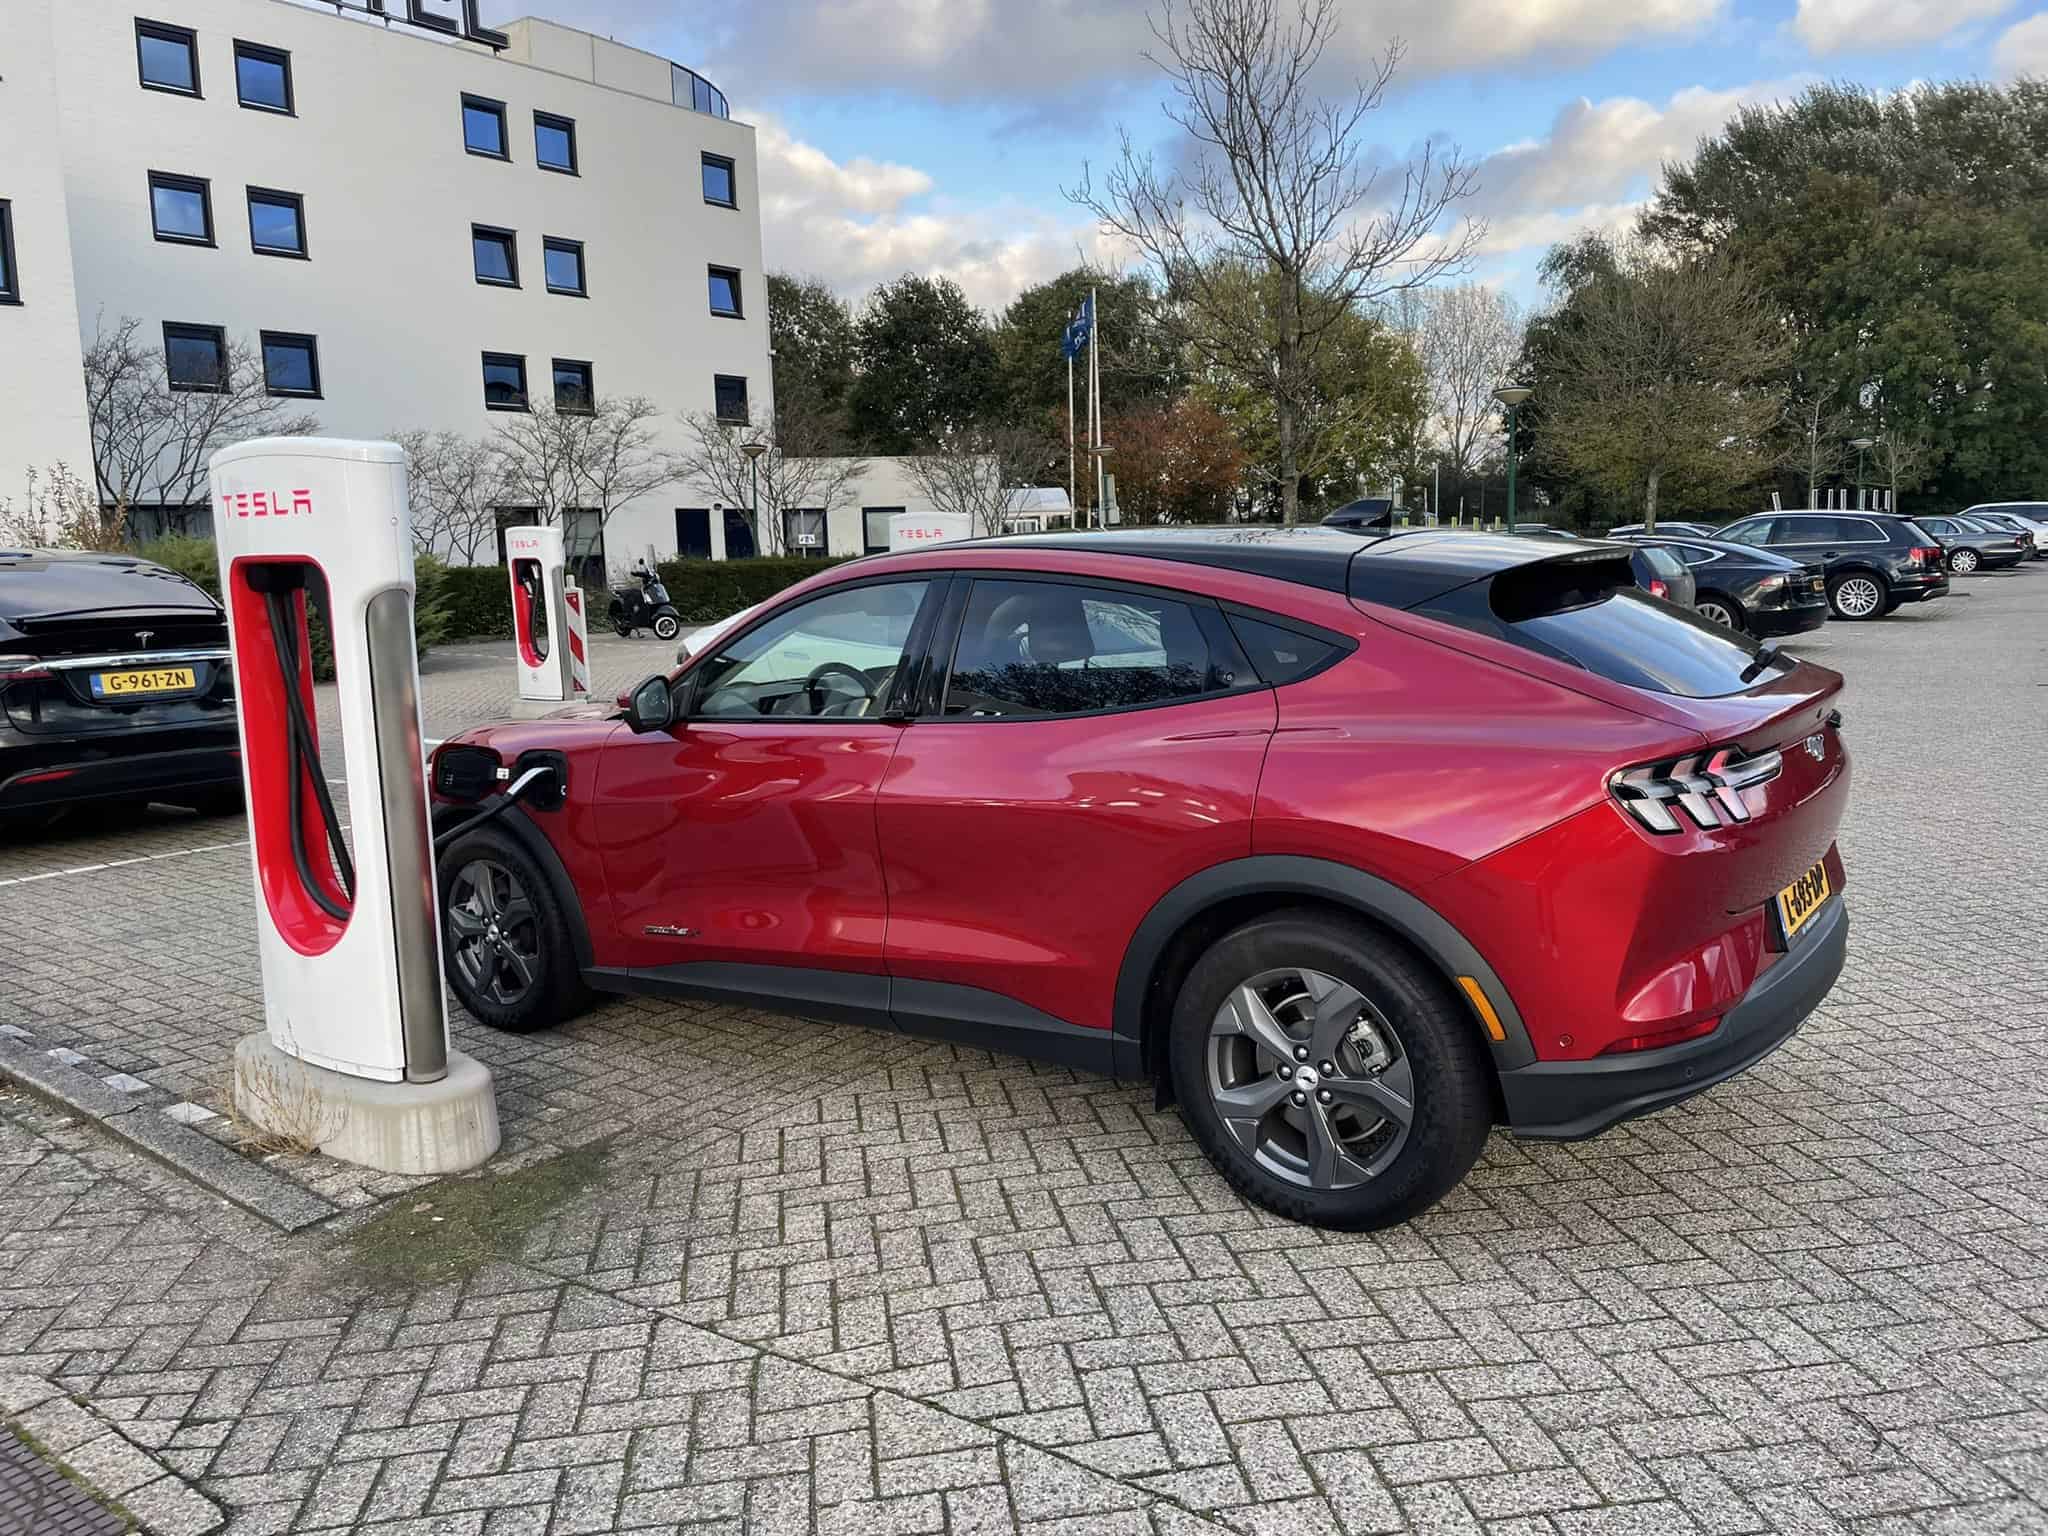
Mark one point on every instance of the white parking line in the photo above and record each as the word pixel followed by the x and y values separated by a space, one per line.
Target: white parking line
pixel 144 858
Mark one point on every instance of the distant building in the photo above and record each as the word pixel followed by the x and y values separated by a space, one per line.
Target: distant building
pixel 419 222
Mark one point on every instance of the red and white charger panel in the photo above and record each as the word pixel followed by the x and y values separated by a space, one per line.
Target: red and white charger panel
pixel 551 641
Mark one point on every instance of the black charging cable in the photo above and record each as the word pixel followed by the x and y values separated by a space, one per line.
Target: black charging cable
pixel 530 579
pixel 302 753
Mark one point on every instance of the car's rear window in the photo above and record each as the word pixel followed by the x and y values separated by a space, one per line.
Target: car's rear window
pixel 1580 613
pixel 1663 561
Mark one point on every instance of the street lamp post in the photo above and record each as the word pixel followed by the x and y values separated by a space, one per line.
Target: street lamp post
pixel 753 449
pixel 1862 445
pixel 1512 396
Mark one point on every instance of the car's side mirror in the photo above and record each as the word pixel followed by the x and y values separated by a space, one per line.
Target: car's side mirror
pixel 649 707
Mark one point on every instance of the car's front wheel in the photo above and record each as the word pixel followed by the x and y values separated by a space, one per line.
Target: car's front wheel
pixel 1327 1073
pixel 1858 595
pixel 504 946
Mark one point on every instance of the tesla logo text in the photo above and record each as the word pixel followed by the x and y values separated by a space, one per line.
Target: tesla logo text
pixel 265 504
pixel 1816 748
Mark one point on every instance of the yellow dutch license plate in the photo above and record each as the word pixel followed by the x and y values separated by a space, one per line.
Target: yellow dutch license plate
pixel 136 684
pixel 1802 898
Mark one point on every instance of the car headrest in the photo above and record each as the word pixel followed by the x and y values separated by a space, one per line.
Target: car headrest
pixel 1054 623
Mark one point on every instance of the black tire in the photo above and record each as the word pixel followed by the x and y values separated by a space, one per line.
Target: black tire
pixel 538 935
pixel 667 626
pixel 1436 1037
pixel 1965 562
pixel 624 631
pixel 1858 584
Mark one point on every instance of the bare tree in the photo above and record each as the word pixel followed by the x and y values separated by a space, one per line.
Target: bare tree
pixel 1278 190
pixel 150 441
pixel 790 473
pixel 1902 458
pixel 976 470
pixel 588 462
pixel 455 487
pixel 1820 442
pixel 1661 369
pixel 1468 338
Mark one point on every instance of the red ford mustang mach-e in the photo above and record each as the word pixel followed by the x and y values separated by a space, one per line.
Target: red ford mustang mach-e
pixel 1353 847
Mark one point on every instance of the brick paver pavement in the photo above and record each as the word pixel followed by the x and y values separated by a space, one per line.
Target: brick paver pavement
pixel 835 1280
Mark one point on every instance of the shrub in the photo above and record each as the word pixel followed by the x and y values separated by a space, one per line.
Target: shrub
pixel 704 590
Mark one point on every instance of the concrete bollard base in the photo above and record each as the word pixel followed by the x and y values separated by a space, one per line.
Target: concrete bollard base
pixel 441 1127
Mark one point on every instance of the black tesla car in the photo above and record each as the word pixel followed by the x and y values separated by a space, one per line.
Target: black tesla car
pixel 114 684
pixel 1748 589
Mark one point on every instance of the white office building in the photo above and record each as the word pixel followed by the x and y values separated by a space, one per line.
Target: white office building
pixel 414 222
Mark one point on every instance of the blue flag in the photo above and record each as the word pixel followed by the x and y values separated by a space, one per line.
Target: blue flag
pixel 1075 341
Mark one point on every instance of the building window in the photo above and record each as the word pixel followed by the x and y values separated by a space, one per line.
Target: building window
pixel 180 209
pixel 740 543
pixel 10 278
pixel 554 143
pixel 263 77
pixel 277 222
pixel 483 127
pixel 168 57
pixel 583 547
pixel 803 532
pixel 730 392
pixel 725 292
pixel 693 532
pixel 874 527
pixel 575 391
pixel 504 382
pixel 196 358
pixel 291 364
pixel 496 254
pixel 718 181
pixel 562 261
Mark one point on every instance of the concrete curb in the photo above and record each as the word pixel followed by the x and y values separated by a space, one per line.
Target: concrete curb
pixel 198 1157
pixel 95 1451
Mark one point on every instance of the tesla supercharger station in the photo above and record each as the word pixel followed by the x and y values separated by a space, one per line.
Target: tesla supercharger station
pixel 551 642
pixel 355 1053
pixel 915 530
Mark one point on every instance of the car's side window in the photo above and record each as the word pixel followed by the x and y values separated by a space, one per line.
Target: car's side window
pixel 1030 649
pixel 1801 530
pixel 1692 554
pixel 832 657
pixel 1752 532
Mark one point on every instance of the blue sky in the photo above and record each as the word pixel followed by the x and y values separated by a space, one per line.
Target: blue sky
pixel 937 135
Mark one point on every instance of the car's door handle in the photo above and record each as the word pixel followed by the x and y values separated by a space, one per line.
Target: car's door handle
pixel 1827 554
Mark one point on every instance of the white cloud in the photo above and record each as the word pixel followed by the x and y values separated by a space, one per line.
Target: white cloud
pixel 1046 50
pixel 1863 26
pixel 2023 50
pixel 860 222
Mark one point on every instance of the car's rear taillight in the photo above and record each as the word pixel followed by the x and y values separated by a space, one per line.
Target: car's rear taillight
pixel 1707 786
pixel 1927 554
pixel 1657 588
pixel 1661 1037
pixel 17 667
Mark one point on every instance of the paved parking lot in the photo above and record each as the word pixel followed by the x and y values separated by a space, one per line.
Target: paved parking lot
pixel 811 1278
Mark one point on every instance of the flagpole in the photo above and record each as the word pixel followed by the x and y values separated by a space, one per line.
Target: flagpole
pixel 1073 507
pixel 1095 407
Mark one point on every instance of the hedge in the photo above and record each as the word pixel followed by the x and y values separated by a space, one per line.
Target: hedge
pixel 432 616
pixel 704 590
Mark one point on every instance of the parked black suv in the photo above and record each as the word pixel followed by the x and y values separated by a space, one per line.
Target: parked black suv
pixel 1752 591
pixel 114 683
pixel 1873 561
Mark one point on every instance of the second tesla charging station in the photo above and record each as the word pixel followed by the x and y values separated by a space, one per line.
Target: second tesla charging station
pixel 550 643
pixel 356 1044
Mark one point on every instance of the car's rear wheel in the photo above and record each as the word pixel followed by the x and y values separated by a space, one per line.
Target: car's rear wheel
pixel 1858 595
pixel 504 946
pixel 1327 1073
pixel 1964 562
pixel 1716 609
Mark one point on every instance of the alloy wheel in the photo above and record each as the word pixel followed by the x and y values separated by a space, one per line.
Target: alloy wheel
pixel 1715 613
pixel 1310 1079
pixel 496 932
pixel 1858 597
pixel 1963 561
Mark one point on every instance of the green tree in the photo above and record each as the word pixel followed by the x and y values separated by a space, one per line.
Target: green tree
pixel 1903 242
pixel 926 363
pixel 1139 363
pixel 1358 412
pixel 810 329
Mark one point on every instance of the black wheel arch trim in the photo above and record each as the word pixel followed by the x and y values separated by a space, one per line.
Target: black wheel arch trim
pixel 517 824
pixel 1321 879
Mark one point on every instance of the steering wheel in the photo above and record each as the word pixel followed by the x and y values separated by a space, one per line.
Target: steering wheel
pixel 826 669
